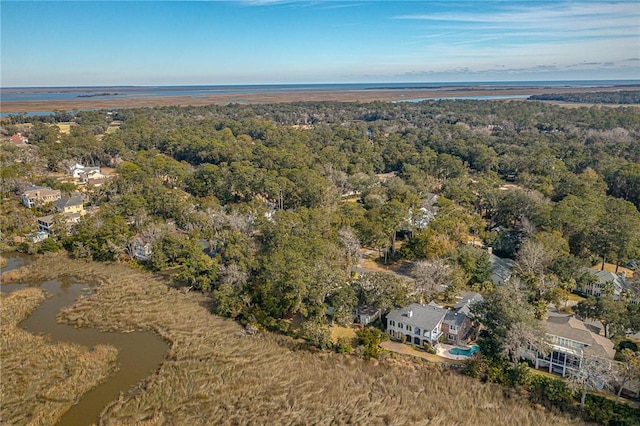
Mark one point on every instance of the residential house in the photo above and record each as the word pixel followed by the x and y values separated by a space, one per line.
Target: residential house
pixel 73 205
pixel 38 195
pixel 602 278
pixel 91 174
pixel 421 218
pixel 459 325
pixel 46 223
pixel 366 314
pixel 141 247
pixel 572 341
pixel 416 323
pixel 78 169
pixel 19 140
pixel 500 269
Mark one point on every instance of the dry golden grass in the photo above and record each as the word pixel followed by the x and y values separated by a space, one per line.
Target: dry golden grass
pixel 41 380
pixel 65 128
pixel 214 375
pixel 339 332
pixel 612 268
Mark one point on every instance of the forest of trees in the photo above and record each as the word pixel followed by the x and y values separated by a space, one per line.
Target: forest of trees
pixel 266 208
pixel 286 195
pixel 620 97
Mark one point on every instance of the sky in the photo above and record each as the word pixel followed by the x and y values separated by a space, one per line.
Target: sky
pixel 91 43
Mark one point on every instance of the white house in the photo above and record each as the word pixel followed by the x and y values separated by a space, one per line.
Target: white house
pixel 46 223
pixel 601 279
pixel 500 269
pixel 77 170
pixel 141 247
pixel 416 323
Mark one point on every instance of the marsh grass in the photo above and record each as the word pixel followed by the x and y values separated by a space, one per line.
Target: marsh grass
pixel 215 375
pixel 41 380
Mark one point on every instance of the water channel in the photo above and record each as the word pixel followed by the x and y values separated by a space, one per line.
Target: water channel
pixel 139 353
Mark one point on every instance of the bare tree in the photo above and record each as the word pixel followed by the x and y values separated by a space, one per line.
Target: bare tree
pixel 627 370
pixel 521 338
pixel 233 275
pixel 592 374
pixel 351 247
pixel 533 260
pixel 431 276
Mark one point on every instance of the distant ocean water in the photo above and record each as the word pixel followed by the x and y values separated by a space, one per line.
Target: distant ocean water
pixel 19 94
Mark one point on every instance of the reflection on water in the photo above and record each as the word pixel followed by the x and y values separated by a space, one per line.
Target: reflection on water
pixel 139 353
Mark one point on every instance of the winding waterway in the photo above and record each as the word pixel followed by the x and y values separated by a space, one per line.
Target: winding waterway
pixel 139 353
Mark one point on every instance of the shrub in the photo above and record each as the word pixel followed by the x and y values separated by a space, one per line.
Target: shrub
pixel 51 245
pixel 429 348
pixel 625 344
pixel 598 409
pixel 519 375
pixel 369 339
pixel 549 391
pixel 604 411
pixel 316 333
pixel 343 345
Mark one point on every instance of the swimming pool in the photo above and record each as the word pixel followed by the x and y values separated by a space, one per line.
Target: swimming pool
pixel 464 352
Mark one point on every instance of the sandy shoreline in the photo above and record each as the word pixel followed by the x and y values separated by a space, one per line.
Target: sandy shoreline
pixel 292 96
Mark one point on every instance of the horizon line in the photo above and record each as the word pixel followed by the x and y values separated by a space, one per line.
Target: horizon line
pixel 321 84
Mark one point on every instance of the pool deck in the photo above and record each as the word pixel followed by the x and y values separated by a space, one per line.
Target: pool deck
pixel 404 349
pixel 443 351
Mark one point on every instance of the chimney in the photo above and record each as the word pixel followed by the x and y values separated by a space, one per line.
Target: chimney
pixel 410 313
pixel 490 250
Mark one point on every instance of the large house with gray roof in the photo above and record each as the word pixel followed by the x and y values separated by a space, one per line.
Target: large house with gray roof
pixel 601 279
pixel 416 323
pixel 571 341
pixel 39 195
pixel 419 324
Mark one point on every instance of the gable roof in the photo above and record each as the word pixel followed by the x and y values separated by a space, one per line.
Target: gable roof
pixel 500 269
pixel 463 309
pixel 39 190
pixel 426 317
pixel 464 305
pixel 67 202
pixel 606 276
pixel 573 329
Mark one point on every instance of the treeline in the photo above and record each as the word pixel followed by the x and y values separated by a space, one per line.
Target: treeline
pixel 282 196
pixel 621 97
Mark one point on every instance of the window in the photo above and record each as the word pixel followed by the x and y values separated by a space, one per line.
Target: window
pixel 392 323
pixel 400 325
pixel 408 328
pixel 417 331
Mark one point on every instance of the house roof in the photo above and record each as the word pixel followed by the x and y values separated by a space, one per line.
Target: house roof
pixel 426 317
pixel 500 269
pixel 606 276
pixel 46 219
pixel 463 309
pixel 464 305
pixel 573 329
pixel 67 202
pixel 39 191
